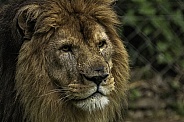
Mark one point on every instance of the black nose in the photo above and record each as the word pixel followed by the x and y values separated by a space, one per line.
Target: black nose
pixel 97 79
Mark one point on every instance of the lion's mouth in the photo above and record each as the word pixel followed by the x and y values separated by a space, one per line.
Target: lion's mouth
pixel 96 94
pixel 93 102
pixel 91 97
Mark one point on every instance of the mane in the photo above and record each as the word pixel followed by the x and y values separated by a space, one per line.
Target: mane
pixel 46 16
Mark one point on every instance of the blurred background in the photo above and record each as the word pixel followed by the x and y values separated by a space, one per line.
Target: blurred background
pixel 153 33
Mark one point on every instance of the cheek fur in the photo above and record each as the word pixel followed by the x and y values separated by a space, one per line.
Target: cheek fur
pixel 62 68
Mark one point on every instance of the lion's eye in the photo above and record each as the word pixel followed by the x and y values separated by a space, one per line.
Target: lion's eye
pixel 66 48
pixel 102 43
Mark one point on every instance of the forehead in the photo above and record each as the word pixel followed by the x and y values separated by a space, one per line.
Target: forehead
pixel 85 30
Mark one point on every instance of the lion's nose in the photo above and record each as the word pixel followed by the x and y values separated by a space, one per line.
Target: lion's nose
pixel 97 79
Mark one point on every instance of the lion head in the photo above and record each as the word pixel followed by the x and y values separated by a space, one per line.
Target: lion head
pixel 71 65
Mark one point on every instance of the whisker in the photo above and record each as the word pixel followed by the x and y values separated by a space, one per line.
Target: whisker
pixel 54 91
pixel 65 98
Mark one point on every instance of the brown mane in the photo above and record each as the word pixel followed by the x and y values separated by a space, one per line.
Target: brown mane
pixel 24 81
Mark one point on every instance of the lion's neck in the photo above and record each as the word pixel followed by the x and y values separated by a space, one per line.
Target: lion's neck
pixel 52 111
pixel 69 114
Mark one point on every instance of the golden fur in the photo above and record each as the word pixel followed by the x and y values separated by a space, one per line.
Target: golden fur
pixel 48 82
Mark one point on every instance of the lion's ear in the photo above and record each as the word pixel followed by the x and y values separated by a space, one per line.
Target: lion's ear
pixel 22 21
pixel 25 20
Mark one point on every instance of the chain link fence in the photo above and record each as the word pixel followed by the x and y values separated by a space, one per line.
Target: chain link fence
pixel 153 32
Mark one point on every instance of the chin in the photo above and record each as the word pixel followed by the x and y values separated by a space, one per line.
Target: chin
pixel 93 103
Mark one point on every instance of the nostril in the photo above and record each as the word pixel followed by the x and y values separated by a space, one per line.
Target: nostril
pixel 104 76
pixel 97 79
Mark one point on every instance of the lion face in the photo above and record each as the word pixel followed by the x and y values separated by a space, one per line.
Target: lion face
pixel 71 62
pixel 85 65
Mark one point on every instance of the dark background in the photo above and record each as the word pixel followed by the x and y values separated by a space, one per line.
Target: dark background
pixel 153 32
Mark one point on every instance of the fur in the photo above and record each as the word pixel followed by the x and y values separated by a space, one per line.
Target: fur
pixel 24 78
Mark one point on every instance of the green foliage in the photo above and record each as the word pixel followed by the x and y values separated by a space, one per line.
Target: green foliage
pixel 159 24
pixel 154 34
pixel 135 94
pixel 179 107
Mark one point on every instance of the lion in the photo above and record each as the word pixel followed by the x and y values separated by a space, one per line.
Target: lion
pixel 62 61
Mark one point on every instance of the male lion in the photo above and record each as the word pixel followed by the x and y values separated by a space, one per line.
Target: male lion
pixel 61 61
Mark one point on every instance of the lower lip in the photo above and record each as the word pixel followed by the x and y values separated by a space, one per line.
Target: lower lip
pixel 94 95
